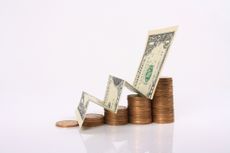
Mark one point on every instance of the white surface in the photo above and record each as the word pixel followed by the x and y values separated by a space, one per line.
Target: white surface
pixel 52 50
pixel 30 127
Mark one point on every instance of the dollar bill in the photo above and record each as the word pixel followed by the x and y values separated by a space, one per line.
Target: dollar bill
pixel 83 105
pixel 132 88
pixel 146 78
pixel 113 93
pixel 156 51
pixel 110 102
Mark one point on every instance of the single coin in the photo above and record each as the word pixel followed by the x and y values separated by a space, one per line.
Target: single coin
pixel 67 123
pixel 137 97
pixel 140 121
pixel 94 116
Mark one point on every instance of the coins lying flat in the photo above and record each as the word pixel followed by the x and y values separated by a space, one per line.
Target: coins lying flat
pixel 67 123
pixel 119 118
pixel 92 120
pixel 139 109
pixel 162 103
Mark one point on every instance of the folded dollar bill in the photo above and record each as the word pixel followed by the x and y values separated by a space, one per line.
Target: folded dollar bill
pixel 157 47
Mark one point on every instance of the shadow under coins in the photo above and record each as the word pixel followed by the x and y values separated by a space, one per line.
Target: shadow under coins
pixel 154 138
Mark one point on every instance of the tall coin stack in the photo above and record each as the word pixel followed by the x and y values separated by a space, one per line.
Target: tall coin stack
pixel 139 109
pixel 162 104
pixel 119 118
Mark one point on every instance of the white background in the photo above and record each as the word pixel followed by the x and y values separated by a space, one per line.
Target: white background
pixel 51 50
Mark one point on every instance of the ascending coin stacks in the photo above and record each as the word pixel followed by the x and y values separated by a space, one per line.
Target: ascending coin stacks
pixel 140 109
pixel 159 110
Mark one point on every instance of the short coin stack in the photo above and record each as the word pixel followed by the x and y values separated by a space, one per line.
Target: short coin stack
pixel 139 109
pixel 92 120
pixel 119 118
pixel 67 123
pixel 162 106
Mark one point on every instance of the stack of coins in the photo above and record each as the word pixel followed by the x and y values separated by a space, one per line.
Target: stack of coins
pixel 162 104
pixel 119 118
pixel 92 120
pixel 139 109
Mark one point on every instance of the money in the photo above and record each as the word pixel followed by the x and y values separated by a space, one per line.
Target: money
pixel 162 103
pixel 119 118
pixel 157 48
pixel 92 120
pixel 146 78
pixel 83 105
pixel 67 123
pixel 113 93
pixel 139 109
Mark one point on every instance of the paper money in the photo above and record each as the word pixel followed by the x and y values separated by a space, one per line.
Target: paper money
pixel 83 105
pixel 113 93
pixel 153 59
pixel 146 79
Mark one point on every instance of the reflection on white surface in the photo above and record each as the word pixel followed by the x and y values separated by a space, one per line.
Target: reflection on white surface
pixel 157 138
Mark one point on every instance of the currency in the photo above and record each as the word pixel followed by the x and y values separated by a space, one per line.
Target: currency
pixel 162 103
pixel 119 118
pixel 67 123
pixel 146 78
pixel 113 93
pixel 83 105
pixel 153 59
pixel 139 109
pixel 92 120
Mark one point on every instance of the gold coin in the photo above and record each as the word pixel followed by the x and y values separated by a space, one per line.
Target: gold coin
pixel 67 123
pixel 136 97
pixel 93 116
pixel 147 121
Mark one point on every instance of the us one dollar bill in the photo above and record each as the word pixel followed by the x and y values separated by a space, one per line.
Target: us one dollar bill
pixel 156 51
pixel 113 92
pixel 83 105
pixel 146 79
pixel 110 102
